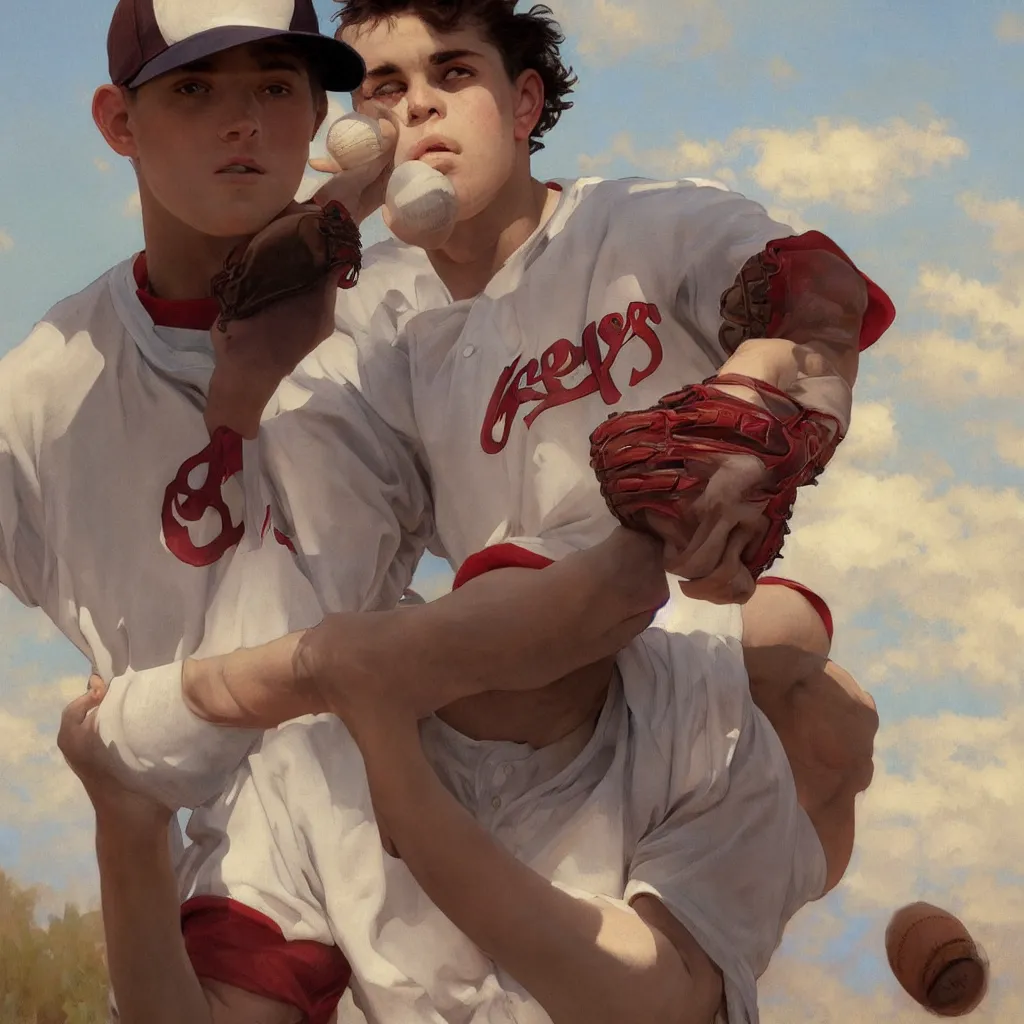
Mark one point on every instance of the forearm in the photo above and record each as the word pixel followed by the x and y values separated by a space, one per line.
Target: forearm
pixel 159 746
pixel 150 972
pixel 510 629
pixel 811 344
pixel 584 961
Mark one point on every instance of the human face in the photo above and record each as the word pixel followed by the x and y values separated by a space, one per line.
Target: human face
pixel 221 145
pixel 457 109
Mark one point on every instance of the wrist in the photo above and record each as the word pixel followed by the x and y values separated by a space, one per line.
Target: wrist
pixel 130 821
pixel 237 398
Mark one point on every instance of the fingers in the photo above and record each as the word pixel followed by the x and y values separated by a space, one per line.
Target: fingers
pixel 75 713
pixel 730 582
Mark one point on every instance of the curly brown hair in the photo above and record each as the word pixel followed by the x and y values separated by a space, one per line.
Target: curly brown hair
pixel 527 41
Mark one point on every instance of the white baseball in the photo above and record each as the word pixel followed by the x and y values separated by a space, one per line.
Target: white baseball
pixel 354 140
pixel 420 205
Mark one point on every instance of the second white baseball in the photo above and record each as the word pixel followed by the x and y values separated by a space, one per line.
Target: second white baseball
pixel 354 140
pixel 420 205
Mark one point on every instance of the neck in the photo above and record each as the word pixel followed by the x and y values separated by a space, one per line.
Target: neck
pixel 180 260
pixel 535 717
pixel 481 246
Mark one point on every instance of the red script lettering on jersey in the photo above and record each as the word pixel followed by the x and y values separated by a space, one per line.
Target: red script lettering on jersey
pixel 540 381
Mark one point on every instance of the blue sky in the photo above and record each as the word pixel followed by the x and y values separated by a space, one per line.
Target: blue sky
pixel 894 127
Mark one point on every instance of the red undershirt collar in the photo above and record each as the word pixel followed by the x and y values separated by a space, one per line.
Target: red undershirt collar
pixel 190 314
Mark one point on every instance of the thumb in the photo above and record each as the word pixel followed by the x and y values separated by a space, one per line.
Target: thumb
pixel 78 710
pixel 324 164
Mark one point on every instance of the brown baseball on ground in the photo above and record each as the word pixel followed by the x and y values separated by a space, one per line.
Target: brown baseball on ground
pixel 935 959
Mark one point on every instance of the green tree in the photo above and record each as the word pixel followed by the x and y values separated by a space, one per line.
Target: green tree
pixel 54 974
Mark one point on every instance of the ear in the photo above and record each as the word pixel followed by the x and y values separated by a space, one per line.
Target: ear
pixel 112 114
pixel 529 103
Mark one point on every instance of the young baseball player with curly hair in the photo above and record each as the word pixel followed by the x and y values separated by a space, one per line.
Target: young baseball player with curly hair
pixel 553 304
pixel 672 932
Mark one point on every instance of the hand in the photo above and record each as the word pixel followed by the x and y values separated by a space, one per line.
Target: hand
pixel 79 741
pixel 361 188
pixel 730 582
pixel 254 355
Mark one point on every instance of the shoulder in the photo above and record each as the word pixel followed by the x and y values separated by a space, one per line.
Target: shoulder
pixel 63 351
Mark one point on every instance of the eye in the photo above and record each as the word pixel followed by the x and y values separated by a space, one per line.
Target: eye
pixel 279 89
pixel 192 88
pixel 388 89
pixel 457 72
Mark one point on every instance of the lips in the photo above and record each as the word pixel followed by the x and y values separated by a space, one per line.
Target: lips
pixel 431 144
pixel 241 165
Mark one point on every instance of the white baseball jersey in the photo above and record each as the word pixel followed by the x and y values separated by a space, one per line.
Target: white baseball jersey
pixel 682 791
pixel 98 409
pixel 611 304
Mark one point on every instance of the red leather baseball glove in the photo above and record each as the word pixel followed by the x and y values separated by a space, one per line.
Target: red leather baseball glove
pixel 694 453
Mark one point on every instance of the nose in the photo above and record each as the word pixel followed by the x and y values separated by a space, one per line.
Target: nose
pixel 423 102
pixel 241 118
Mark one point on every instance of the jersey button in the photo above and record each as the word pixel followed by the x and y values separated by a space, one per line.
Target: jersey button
pixel 496 802
pixel 468 351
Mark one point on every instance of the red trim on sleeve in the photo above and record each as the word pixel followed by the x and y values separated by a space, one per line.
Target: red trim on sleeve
pixel 190 314
pixel 881 312
pixel 234 944
pixel 283 540
pixel 500 556
pixel 817 602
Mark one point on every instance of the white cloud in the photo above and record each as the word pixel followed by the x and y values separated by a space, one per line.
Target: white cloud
pixel 947 369
pixel 859 167
pixel 1005 217
pixel 872 433
pixel 101 165
pixel 945 557
pixel 687 157
pixel 992 309
pixel 6 241
pixel 608 30
pixel 1006 438
pixel 781 71
pixel 39 787
pixel 1010 28
pixel 132 205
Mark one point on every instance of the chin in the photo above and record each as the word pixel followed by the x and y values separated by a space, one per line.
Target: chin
pixel 237 223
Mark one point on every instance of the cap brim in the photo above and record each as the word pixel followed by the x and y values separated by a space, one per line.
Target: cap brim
pixel 338 67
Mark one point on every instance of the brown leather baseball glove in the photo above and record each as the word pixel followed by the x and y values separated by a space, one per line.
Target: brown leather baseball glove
pixel 291 255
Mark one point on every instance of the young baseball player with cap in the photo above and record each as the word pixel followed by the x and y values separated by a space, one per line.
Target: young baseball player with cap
pixel 215 103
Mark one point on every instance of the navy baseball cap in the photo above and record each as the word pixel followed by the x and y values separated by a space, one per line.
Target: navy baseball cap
pixel 148 38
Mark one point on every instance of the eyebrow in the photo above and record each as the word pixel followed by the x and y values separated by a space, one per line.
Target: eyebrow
pixel 436 59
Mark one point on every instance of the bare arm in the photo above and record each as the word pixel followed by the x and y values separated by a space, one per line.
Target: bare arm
pixel 819 329
pixel 510 629
pixel 827 726
pixel 586 961
pixel 152 977
pixel 779 615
